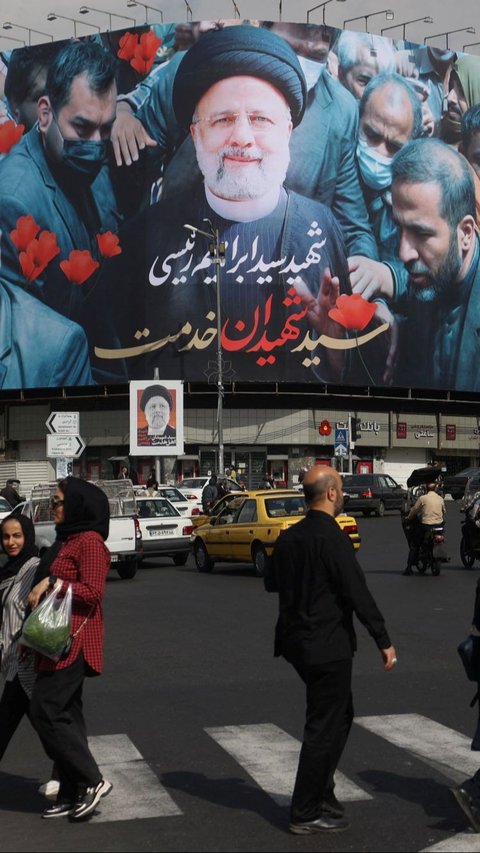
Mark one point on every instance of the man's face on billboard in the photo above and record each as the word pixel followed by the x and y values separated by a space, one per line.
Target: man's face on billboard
pixel 157 413
pixel 428 246
pixel 387 120
pixel 357 77
pixel 86 116
pixel 241 130
pixel 472 151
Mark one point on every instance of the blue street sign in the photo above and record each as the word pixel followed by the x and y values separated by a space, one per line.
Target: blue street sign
pixel 341 442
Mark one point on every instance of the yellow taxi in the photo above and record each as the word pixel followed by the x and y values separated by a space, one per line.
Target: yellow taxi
pixel 244 528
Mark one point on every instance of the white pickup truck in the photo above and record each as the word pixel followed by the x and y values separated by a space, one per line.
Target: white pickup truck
pixel 125 537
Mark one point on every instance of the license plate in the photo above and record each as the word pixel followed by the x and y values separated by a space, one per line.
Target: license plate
pixel 158 532
pixel 114 558
pixel 352 495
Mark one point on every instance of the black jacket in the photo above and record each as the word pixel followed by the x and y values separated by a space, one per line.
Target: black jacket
pixel 320 585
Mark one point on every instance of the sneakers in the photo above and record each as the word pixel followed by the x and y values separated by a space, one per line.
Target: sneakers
pixel 324 823
pixel 50 789
pixel 85 803
pixel 469 804
pixel 61 808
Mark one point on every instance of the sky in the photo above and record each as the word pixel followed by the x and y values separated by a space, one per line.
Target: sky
pixel 32 14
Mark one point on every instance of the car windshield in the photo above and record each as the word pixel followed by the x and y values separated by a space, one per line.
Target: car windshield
pixel 156 508
pixel 4 506
pixel 358 480
pixel 279 507
pixel 173 495
pixel 194 482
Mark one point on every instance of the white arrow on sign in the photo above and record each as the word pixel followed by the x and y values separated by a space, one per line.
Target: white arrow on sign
pixel 63 423
pixel 68 446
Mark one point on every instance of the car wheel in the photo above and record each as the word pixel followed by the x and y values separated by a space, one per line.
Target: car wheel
pixel 127 569
pixel 381 509
pixel 467 557
pixel 203 561
pixel 435 567
pixel 180 559
pixel 260 559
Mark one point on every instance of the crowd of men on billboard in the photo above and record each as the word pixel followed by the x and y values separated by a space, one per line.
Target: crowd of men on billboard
pixel 250 128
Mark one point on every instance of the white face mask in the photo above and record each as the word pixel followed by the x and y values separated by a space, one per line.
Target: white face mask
pixel 375 168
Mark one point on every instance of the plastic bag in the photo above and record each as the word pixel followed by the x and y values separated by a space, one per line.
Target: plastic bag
pixel 48 627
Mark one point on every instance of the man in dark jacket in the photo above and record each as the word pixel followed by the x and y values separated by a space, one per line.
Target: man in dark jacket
pixel 321 586
pixel 10 493
pixel 210 493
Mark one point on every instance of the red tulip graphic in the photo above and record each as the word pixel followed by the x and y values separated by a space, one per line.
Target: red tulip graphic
pixel 38 255
pixel 145 52
pixel 352 312
pixel 127 45
pixel 10 134
pixel 80 266
pixel 109 244
pixel 26 231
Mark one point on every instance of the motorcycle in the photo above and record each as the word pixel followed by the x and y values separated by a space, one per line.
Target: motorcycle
pixel 470 541
pixel 469 544
pixel 426 546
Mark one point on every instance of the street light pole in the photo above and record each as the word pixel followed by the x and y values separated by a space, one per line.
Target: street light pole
pixel 217 253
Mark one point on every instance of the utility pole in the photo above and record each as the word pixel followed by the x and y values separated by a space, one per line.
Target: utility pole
pixel 217 253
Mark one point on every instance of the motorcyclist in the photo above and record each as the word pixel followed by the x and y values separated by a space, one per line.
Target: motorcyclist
pixel 426 513
pixel 472 519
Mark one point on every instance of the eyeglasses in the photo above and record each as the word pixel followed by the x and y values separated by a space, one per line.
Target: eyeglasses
pixel 259 123
pixel 55 502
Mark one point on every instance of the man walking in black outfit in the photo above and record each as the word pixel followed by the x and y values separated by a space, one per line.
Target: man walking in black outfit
pixel 321 586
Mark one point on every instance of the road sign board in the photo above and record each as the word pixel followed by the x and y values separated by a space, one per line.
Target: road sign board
pixel 68 446
pixel 63 423
pixel 341 442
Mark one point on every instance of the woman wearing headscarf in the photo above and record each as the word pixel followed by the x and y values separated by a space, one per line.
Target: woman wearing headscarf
pixel 17 540
pixel 81 515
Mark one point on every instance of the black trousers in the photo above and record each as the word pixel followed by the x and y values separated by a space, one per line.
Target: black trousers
pixel 56 712
pixel 328 722
pixel 14 704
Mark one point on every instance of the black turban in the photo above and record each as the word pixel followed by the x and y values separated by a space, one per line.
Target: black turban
pixel 238 51
pixel 155 391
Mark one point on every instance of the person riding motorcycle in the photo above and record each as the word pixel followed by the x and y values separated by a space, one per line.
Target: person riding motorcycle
pixel 472 521
pixel 426 513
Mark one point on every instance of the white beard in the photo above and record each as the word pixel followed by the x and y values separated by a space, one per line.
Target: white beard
pixel 251 182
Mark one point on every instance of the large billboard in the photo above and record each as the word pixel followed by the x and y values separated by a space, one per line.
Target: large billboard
pixel 238 201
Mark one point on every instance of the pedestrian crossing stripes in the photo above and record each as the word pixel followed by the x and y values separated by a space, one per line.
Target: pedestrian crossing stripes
pixel 440 747
pixel 123 765
pixel 269 755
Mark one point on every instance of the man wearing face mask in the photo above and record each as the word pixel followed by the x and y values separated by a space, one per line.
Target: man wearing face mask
pixel 57 174
pixel 390 115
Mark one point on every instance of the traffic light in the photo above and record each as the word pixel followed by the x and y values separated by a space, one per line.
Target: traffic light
pixel 355 432
pixel 325 428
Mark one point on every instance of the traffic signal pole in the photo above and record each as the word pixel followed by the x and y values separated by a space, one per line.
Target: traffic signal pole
pixel 350 442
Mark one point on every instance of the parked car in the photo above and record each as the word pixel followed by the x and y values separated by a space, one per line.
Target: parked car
pixel 192 488
pixel 124 538
pixel 5 508
pixel 373 493
pixel 165 532
pixel 247 526
pixel 455 484
pixel 174 495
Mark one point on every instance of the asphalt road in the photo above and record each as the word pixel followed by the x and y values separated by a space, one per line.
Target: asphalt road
pixel 198 726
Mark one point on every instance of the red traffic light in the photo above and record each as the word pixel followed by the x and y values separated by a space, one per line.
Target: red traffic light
pixel 325 428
